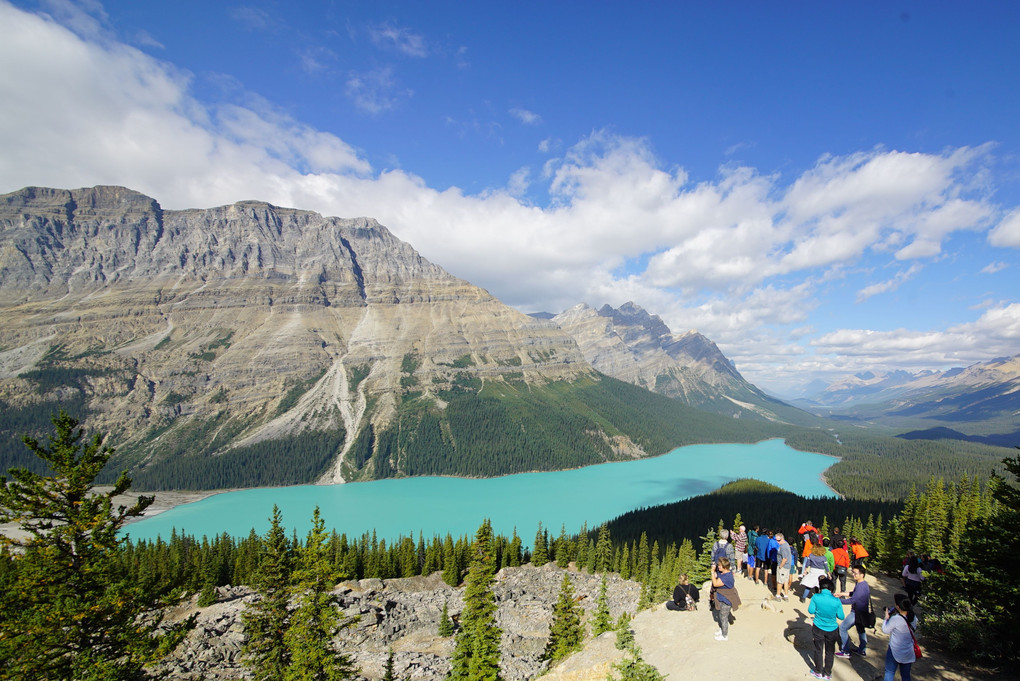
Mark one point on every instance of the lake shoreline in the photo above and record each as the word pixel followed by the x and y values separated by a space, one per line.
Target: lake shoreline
pixel 169 499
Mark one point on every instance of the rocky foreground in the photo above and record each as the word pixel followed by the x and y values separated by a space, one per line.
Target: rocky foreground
pixel 403 615
pixel 769 638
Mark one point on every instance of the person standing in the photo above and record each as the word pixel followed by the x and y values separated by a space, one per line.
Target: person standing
pixel 814 569
pixel 912 575
pixel 761 557
pixel 725 592
pixel 784 558
pixel 841 562
pixel 740 547
pixel 724 548
pixel 825 630
pixel 859 600
pixel 752 549
pixel 899 624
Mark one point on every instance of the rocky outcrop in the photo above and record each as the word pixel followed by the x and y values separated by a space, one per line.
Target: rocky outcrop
pixel 402 615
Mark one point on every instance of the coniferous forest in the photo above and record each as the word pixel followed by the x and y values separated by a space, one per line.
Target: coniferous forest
pixel 92 593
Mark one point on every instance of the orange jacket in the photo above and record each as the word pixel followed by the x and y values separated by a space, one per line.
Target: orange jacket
pixel 841 557
pixel 859 551
pixel 807 544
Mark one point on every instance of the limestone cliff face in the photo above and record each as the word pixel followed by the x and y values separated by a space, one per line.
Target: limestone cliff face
pixel 634 346
pixel 266 321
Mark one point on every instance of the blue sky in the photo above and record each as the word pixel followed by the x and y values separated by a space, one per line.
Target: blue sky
pixel 821 188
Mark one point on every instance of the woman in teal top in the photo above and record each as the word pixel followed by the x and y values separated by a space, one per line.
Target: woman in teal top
pixel 827 610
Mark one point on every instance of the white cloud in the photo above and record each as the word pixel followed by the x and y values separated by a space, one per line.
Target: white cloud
pixel 525 116
pixel 400 39
pixel 888 285
pixel 1007 232
pixel 993 267
pixel 740 257
pixel 376 91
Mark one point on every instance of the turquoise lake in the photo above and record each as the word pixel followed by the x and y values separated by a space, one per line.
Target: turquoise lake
pixel 436 505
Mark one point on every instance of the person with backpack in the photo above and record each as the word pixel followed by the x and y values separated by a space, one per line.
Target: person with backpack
pixel 685 595
pixel 859 600
pixel 858 553
pixel 841 564
pixel 752 558
pixel 810 534
pixel 723 548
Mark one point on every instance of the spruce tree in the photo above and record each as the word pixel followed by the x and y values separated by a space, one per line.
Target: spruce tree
pixel 451 566
pixel 316 619
pixel 603 620
pixel 540 556
pixel 267 619
pixel 565 632
pixel 603 550
pixel 68 608
pixel 445 623
pixel 476 654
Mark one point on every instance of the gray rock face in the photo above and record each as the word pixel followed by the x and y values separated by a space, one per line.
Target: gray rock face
pixel 402 615
pixel 172 319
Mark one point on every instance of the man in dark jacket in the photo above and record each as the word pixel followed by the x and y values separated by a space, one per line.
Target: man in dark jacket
pixel 859 600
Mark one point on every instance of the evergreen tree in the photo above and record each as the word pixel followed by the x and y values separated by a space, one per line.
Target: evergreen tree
pixel 68 609
pixel 476 654
pixel 565 632
pixel 388 674
pixel 445 623
pixel 267 619
pixel 451 566
pixel 602 621
pixel 563 548
pixel 316 619
pixel 603 550
pixel 540 556
pixel 516 558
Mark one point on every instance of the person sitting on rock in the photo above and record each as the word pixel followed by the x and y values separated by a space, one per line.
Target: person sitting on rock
pixel 685 595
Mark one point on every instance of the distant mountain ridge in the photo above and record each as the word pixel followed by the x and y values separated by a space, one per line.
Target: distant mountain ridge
pixel 983 399
pixel 251 344
pixel 632 345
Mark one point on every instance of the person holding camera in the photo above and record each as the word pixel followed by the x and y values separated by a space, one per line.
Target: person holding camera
pixel 899 624
pixel 724 597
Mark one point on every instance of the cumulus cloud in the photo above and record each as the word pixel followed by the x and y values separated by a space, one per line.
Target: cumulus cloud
pixel 1007 232
pixel 996 332
pixel 740 256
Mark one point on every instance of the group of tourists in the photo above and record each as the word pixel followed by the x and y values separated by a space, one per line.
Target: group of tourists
pixel 769 557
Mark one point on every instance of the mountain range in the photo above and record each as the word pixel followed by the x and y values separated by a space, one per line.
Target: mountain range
pixel 251 344
pixel 980 402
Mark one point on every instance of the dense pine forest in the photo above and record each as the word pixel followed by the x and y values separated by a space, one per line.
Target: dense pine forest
pixel 76 594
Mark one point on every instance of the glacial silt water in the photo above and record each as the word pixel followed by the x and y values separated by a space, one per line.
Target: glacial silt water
pixel 438 505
